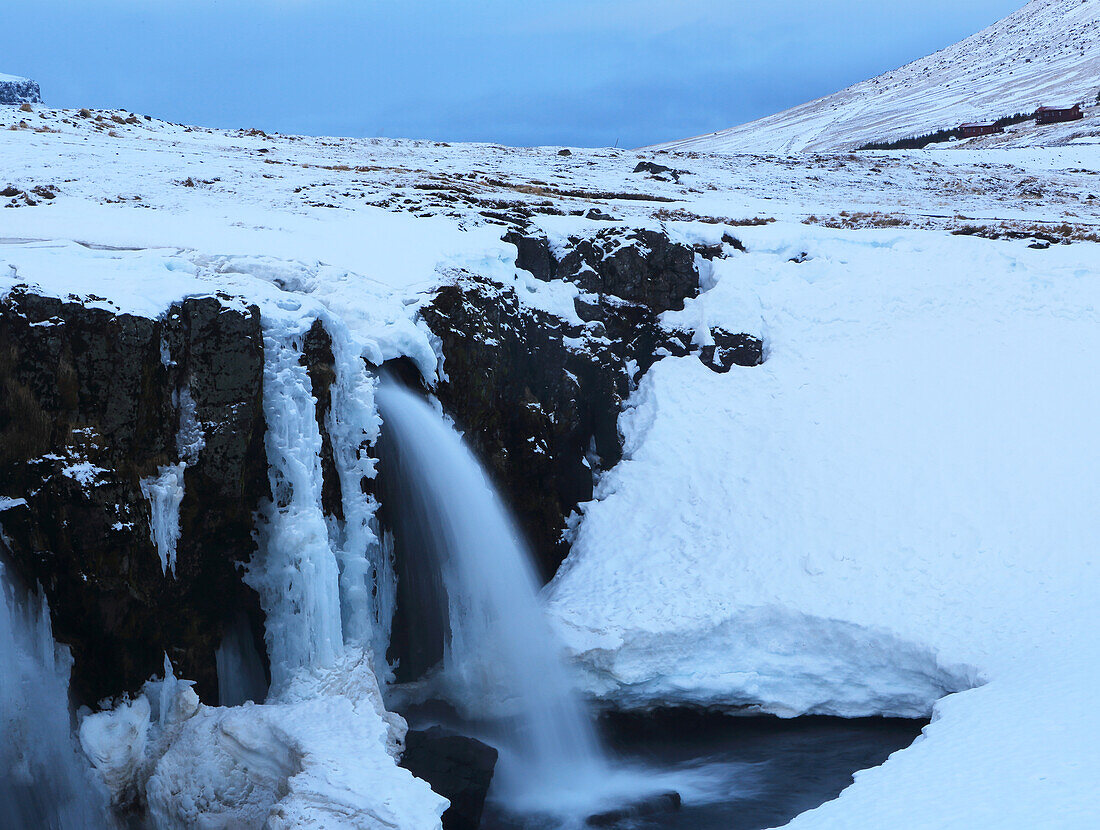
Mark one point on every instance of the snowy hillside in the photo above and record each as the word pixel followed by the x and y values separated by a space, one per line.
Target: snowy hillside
pixel 1047 53
pixel 894 513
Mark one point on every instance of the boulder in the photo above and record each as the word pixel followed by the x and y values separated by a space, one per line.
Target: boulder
pixel 458 768
pixel 654 805
pixel 660 171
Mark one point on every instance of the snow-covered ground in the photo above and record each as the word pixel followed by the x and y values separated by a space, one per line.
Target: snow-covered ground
pixel 1047 53
pixel 899 504
pixel 914 464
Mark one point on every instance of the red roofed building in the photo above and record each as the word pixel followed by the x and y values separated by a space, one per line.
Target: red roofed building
pixel 1056 115
pixel 972 130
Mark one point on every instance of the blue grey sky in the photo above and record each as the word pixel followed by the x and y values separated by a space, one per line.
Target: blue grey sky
pixel 577 72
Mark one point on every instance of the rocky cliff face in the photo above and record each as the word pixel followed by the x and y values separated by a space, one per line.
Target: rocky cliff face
pixel 132 453
pixel 95 406
pixel 538 396
pixel 15 90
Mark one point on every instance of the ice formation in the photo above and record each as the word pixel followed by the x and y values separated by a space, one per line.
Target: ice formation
pixel 295 571
pixel 164 492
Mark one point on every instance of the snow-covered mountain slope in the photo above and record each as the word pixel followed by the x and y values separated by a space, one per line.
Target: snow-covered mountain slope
pixel 896 505
pixel 1047 53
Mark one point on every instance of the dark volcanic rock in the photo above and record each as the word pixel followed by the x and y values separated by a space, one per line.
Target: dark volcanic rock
pixel 19 91
pixel 540 412
pixel 643 267
pixel 320 363
pixel 659 171
pixel 90 404
pixel 533 254
pixel 458 768
pixel 731 350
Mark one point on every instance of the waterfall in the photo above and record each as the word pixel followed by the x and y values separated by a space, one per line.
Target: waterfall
pixel 240 670
pixel 44 780
pixel 500 655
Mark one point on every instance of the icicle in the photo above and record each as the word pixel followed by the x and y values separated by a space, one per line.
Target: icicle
pixel 294 570
pixel 164 492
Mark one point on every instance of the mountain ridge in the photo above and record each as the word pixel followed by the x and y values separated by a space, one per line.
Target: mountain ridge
pixel 1046 53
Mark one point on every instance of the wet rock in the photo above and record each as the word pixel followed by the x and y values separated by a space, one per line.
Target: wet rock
pixel 539 408
pixel 458 768
pixel 655 805
pixel 90 404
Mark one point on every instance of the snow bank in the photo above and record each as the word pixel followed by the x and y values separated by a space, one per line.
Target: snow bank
pixel 321 755
pixel 901 499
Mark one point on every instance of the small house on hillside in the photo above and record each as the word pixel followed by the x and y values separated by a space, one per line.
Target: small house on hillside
pixel 973 130
pixel 1056 115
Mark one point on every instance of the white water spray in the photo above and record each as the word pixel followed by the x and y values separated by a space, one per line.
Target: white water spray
pixel 501 657
pixel 44 780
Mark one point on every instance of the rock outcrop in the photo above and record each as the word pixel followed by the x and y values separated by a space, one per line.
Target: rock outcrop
pixel 97 410
pixel 539 396
pixel 15 90
pixel 460 769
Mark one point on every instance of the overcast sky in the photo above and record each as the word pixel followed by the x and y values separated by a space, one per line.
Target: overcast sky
pixel 581 72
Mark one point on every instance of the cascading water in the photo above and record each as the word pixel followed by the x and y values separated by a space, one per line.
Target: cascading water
pixel 44 780
pixel 500 657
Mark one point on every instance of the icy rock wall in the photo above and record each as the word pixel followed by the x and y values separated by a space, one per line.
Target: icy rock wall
pixel 91 403
pixel 349 426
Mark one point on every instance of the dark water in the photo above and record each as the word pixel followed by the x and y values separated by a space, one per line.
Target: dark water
pixel 776 768
pixel 734 773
